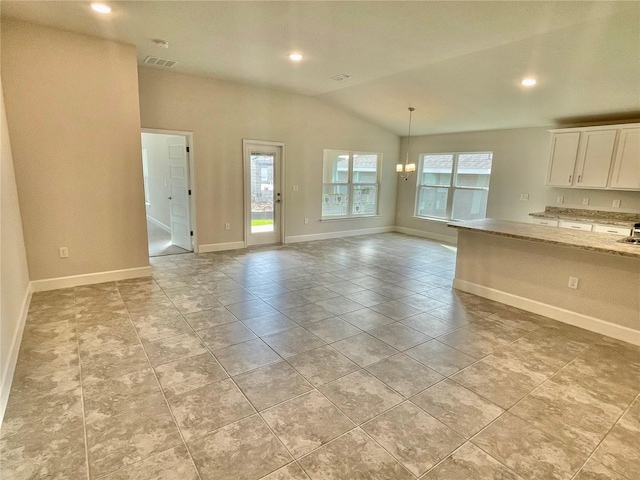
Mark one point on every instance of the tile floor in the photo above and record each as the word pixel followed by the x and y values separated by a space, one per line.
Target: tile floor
pixel 338 359
pixel 159 242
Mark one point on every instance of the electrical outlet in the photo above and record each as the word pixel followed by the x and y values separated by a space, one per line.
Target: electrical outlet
pixel 227 226
pixel 524 197
pixel 306 221
pixel 585 201
pixel 64 252
pixel 560 199
pixel 616 204
pixel 295 188
pixel 573 282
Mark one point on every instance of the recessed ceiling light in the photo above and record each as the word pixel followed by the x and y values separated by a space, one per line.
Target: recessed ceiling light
pixel 295 57
pixel 101 8
pixel 528 82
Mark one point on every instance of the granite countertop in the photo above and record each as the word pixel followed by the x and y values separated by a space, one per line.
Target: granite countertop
pixel 592 241
pixel 617 219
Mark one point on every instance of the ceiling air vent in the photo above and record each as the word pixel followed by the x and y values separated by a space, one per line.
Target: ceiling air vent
pixel 340 77
pixel 159 62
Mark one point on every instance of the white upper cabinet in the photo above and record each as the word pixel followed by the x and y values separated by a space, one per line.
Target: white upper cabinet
pixel 606 157
pixel 626 166
pixel 564 150
pixel 594 158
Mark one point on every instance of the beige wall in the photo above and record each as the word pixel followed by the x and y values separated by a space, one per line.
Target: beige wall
pixel 519 166
pixel 14 277
pixel 608 284
pixel 220 114
pixel 73 116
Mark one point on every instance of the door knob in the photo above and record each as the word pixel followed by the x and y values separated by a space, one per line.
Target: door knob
pixel 278 201
pixel 169 198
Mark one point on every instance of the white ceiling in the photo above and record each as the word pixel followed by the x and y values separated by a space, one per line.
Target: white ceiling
pixel 458 63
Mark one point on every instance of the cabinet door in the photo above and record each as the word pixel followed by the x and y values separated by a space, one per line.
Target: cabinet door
pixel 594 158
pixel 564 150
pixel 626 166
pixel 544 221
pixel 612 229
pixel 587 227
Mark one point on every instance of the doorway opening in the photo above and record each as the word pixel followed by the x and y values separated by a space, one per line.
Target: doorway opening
pixel 166 166
pixel 263 199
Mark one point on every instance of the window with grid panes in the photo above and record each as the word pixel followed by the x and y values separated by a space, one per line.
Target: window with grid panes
pixel 453 186
pixel 350 184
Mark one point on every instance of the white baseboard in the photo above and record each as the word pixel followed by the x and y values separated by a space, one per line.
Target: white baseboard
pixel 345 233
pixel 592 324
pixel 89 278
pixel 220 247
pixel 158 223
pixel 452 240
pixel 9 367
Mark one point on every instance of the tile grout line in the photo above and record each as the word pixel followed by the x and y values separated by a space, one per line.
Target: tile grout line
pixel 404 399
pixel 469 440
pixel 84 415
pixel 398 461
pixel 256 411
pixel 356 425
pixel 603 439
pixel 637 398
pixel 259 413
pixel 238 389
pixel 370 264
pixel 164 397
pixel 520 400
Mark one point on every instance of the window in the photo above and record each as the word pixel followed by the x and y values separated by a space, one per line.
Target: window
pixel 350 184
pixel 453 185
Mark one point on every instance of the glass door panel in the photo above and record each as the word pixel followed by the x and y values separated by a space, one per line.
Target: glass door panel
pixel 262 192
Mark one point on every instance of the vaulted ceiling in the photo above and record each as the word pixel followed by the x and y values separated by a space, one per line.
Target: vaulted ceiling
pixel 458 63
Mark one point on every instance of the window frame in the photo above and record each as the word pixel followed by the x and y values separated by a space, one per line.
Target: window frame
pixel 351 185
pixel 452 187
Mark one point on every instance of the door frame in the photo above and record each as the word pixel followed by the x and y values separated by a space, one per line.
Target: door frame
pixel 192 174
pixel 246 144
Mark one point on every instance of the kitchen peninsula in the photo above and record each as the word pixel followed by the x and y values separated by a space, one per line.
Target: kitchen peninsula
pixel 528 266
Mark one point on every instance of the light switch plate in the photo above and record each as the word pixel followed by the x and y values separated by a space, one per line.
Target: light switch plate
pixel 560 199
pixel 295 188
pixel 524 197
pixel 585 201
pixel 573 282
pixel 616 204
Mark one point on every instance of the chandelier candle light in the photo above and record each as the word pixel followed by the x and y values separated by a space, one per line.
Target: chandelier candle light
pixel 406 169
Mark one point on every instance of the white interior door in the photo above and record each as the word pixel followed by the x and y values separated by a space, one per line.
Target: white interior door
pixel 179 196
pixel 263 195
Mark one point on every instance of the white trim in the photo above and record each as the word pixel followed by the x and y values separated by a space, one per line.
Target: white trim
pixel 192 179
pixel 9 367
pixel 159 224
pixel 219 247
pixel 247 144
pixel 89 278
pixel 342 219
pixel 593 324
pixel 432 236
pixel 344 233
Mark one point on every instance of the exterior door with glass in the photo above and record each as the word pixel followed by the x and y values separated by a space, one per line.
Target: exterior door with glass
pixel 263 196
